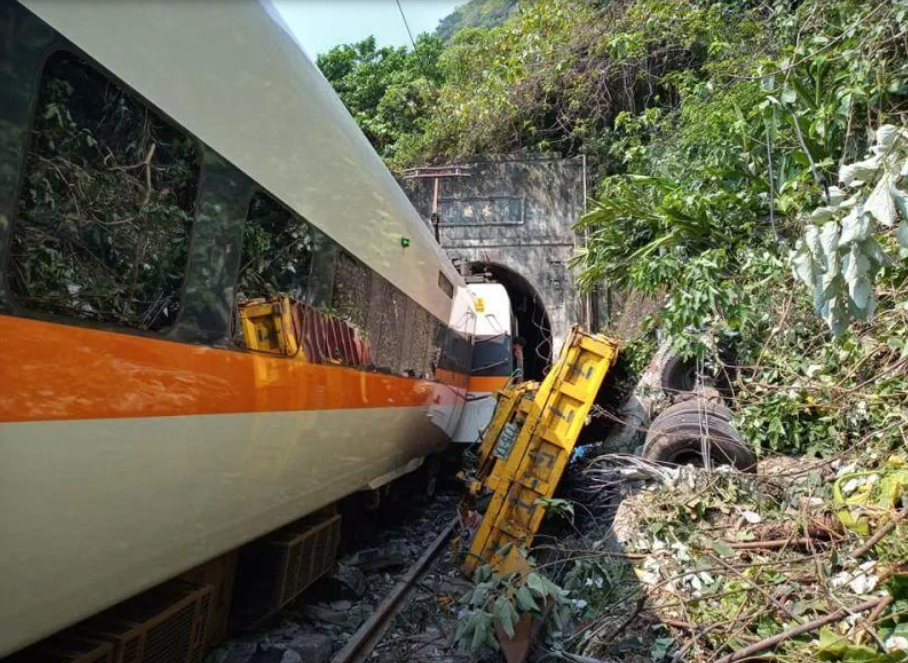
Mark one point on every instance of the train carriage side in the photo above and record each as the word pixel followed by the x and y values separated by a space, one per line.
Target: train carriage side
pixel 165 169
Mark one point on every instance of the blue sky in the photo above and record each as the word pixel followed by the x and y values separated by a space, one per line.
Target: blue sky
pixel 321 24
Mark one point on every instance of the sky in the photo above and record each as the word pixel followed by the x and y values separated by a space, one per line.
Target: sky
pixel 321 24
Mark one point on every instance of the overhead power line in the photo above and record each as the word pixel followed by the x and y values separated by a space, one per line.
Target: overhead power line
pixel 406 25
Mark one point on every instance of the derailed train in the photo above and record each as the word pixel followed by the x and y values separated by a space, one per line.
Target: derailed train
pixel 160 165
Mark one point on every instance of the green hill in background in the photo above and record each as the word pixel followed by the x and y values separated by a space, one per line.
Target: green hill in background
pixel 475 14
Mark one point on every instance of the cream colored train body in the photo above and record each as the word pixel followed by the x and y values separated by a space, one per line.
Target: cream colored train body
pixel 130 455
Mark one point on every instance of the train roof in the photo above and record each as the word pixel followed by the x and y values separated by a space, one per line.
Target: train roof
pixel 232 74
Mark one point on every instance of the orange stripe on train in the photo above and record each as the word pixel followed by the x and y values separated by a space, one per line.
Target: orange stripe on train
pixel 53 371
pixel 488 383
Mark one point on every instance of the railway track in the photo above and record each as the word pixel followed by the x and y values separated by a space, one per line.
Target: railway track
pixel 360 646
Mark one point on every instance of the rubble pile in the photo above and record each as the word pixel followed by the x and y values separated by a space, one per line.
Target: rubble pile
pixel 719 566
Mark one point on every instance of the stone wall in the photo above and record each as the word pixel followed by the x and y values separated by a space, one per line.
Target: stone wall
pixel 516 213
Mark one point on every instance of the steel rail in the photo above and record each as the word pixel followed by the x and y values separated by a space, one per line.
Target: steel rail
pixel 370 633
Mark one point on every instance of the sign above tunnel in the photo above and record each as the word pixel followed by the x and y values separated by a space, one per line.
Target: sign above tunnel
pixel 512 215
pixel 495 210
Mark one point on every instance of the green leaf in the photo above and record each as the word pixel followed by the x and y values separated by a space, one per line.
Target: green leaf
pixel 536 584
pixel 660 648
pixel 478 639
pixel 481 630
pixel 856 173
pixel 872 249
pixel 855 227
pixel 812 241
pixel 880 203
pixel 525 600
pixel 901 233
pixel 829 243
pixel 503 615
pixel 834 647
pixel 483 573
pixel 803 265
pixel 723 549
pixel 886 136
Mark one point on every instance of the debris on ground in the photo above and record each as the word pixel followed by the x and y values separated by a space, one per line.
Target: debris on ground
pixel 720 565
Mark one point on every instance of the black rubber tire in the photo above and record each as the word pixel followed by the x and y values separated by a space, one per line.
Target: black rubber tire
pixel 693 406
pixel 678 375
pixel 676 440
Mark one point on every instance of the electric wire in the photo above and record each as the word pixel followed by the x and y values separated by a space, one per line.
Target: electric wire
pixel 406 25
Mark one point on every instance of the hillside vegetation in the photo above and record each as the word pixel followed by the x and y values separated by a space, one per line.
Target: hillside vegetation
pixel 714 131
pixel 475 14
pixel 748 162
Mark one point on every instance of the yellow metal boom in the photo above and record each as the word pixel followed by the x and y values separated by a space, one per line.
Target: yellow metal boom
pixel 528 444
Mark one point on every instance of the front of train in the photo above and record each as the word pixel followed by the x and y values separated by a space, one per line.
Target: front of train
pixel 495 360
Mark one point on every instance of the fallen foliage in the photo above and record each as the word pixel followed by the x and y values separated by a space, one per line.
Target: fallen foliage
pixel 719 566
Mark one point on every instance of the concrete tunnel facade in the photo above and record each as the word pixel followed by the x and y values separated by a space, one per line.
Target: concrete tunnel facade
pixel 513 216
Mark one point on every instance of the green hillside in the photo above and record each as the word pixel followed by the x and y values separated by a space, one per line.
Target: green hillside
pixel 475 14
pixel 749 164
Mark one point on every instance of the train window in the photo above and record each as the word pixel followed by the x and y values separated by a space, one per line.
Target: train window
pixel 390 343
pixel 277 251
pixel 417 350
pixel 409 365
pixel 352 289
pixel 384 305
pixel 325 254
pixel 437 359
pixel 108 198
pixel 445 285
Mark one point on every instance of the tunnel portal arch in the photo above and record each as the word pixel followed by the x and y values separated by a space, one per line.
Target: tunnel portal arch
pixel 516 212
pixel 533 323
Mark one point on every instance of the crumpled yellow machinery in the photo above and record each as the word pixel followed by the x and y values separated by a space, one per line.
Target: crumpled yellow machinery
pixel 527 446
pixel 267 326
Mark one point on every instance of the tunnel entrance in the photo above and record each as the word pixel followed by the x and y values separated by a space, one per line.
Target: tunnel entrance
pixel 532 320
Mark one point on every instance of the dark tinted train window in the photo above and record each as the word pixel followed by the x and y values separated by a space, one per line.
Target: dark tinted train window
pixel 445 285
pixel 492 356
pixel 352 290
pixel 106 206
pixel 436 349
pixel 277 251
pixel 422 344
pixel 409 365
pixel 390 343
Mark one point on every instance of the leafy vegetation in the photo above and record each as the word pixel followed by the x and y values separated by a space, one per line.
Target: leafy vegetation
pixel 389 91
pixel 717 132
pixel 748 160
pixel 727 560
pixel 106 206
pixel 475 14
pixel 499 601
pixel 841 258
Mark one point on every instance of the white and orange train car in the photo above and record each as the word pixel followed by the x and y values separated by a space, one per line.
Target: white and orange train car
pixel 160 164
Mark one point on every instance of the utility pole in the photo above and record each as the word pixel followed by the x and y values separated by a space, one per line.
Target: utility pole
pixel 437 173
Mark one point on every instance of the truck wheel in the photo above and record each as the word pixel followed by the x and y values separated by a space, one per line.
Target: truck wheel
pixel 693 406
pixel 677 440
pixel 678 375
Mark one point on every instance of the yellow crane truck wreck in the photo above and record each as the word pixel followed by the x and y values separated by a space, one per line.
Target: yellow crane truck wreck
pixel 525 450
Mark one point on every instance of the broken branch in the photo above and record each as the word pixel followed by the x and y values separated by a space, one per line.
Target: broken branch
pixel 880 533
pixel 769 643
